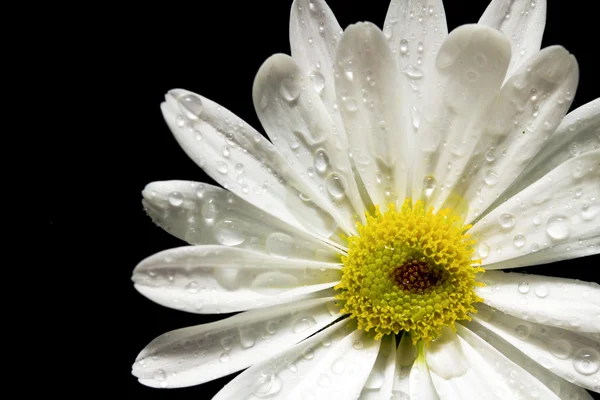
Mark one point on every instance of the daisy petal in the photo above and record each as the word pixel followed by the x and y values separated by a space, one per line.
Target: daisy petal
pixel 368 92
pixel 565 303
pixel 242 160
pixel 420 383
pixel 469 70
pixel 522 21
pixel 563 389
pixel 578 133
pixel 200 213
pixel 572 356
pixel 526 112
pixel 218 279
pixel 299 126
pixel 415 31
pixel 314 35
pixel 194 355
pixel 458 372
pixel 276 377
pixel 562 208
pixel 405 358
pixel 380 381
pixel 522 384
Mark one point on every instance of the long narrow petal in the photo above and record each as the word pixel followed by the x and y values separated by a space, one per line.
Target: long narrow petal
pixel 222 144
pixel 405 358
pixel 470 67
pixel 563 389
pixel 526 112
pixel 458 372
pixel 314 36
pixel 562 208
pixel 368 92
pixel 420 383
pixel 572 356
pixel 194 355
pixel 300 128
pixel 380 381
pixel 342 373
pixel 522 384
pixel 203 214
pixel 523 22
pixel 218 279
pixel 565 303
pixel 415 30
pixel 578 133
pixel 276 378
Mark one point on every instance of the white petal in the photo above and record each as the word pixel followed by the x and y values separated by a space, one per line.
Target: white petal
pixel 368 92
pixel 522 384
pixel 194 355
pixel 523 22
pixel 572 356
pixel 420 382
pixel 565 303
pixel 578 133
pixel 342 373
pixel 380 381
pixel 314 36
pixel 526 112
pixel 200 213
pixel 415 31
pixel 405 358
pixel 218 279
pixel 458 372
pixel 276 377
pixel 469 70
pixel 563 389
pixel 562 208
pixel 222 144
pixel 300 127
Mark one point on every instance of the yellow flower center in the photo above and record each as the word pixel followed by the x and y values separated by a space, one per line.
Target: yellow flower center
pixel 409 270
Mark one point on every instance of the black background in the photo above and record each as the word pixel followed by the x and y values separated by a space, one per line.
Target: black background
pixel 215 49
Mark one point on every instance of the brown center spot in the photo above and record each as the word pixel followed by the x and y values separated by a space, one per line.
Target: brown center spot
pixel 416 275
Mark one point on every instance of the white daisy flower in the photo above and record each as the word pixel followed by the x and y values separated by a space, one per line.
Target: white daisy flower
pixel 363 242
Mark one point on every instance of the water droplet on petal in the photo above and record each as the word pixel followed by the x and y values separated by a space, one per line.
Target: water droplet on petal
pixel 413 72
pixel 561 349
pixel 280 244
pixel 230 232
pixel 303 324
pixel 175 199
pixel 541 290
pixel 338 366
pixel 321 161
pixel 318 81
pixel 506 220
pixel 523 287
pixel 522 331
pixel 222 167
pixel 190 105
pixel 429 185
pixel 587 361
pixel 289 90
pixel 267 386
pixel 193 287
pixel 160 375
pixel 491 178
pixel 209 212
pixel 336 185
pixel 403 46
pixel 519 241
pixel 358 344
pixel 483 250
pixel 557 227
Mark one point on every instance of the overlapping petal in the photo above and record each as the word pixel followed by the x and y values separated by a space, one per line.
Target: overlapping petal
pixel 300 128
pixel 523 22
pixel 219 279
pixel 560 209
pixel 469 70
pixel 560 302
pixel 367 88
pixel 203 214
pixel 194 355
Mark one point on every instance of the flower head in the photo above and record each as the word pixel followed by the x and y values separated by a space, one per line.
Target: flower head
pixel 405 166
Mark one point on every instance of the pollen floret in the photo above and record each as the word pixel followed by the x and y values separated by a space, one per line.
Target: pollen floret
pixel 409 270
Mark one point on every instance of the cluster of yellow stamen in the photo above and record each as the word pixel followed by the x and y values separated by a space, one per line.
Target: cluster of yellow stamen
pixel 409 270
